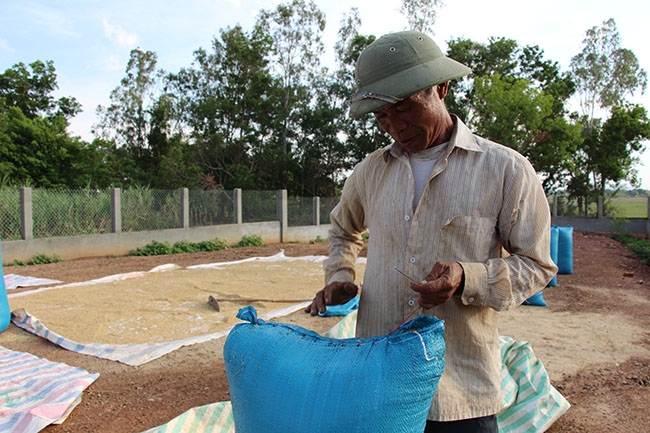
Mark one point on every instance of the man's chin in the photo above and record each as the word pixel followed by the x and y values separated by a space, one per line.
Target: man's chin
pixel 411 146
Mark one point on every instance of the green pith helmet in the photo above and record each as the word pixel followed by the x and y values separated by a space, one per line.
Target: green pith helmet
pixel 397 66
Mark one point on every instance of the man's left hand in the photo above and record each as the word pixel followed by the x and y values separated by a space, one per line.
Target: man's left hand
pixel 440 284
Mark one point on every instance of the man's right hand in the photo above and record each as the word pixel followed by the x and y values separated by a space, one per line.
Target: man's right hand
pixel 335 293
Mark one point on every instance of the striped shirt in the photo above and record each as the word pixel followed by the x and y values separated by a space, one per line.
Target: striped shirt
pixel 483 206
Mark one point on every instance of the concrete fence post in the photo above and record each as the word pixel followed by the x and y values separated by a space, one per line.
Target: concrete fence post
pixel 26 213
pixel 600 206
pixel 282 213
pixel 185 208
pixel 236 203
pixel 116 211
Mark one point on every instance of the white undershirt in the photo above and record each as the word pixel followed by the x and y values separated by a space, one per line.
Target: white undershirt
pixel 422 164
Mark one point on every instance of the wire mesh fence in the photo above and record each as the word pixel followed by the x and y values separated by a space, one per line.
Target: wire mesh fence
pixel 70 213
pixel 300 211
pixel 259 206
pixel 61 213
pixel 10 219
pixel 211 208
pixel 147 209
pixel 327 204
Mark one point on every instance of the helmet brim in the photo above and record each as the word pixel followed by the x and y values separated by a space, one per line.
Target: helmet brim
pixel 406 83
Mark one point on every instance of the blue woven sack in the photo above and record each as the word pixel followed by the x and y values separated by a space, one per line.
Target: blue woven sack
pixel 565 250
pixel 5 312
pixel 538 298
pixel 284 378
pixel 555 239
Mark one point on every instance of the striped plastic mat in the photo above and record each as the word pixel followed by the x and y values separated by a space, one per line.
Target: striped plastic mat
pixel 35 392
pixel 14 281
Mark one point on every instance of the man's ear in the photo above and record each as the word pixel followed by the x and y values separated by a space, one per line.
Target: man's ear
pixel 442 89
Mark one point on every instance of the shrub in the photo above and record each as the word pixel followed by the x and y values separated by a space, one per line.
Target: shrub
pixel 40 259
pixel 156 248
pixel 213 245
pixel 184 247
pixel 250 241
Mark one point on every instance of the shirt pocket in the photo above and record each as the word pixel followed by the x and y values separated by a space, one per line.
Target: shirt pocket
pixel 468 238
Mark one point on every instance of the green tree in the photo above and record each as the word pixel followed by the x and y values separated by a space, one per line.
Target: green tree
pixel 615 144
pixel 421 14
pixel 127 120
pixel 227 102
pixel 30 89
pixel 295 29
pixel 39 152
pixel 518 98
pixel 361 136
pixel 143 123
pixel 604 72
pixel 606 75
pixel 322 155
pixel 109 166
pixel 35 147
pixel 174 159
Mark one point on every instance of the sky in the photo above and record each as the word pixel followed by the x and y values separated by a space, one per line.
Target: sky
pixel 89 41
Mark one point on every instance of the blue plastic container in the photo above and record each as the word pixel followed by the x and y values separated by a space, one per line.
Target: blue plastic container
pixel 5 313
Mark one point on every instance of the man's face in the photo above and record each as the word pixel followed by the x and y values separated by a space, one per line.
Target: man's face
pixel 419 121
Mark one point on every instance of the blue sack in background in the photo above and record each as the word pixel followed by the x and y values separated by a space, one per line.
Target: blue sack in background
pixel 565 250
pixel 5 312
pixel 284 378
pixel 555 239
pixel 537 299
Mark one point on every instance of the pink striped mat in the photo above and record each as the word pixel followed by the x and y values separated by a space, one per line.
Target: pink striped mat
pixel 35 392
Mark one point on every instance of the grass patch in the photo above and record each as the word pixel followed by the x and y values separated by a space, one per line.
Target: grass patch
pixel 640 247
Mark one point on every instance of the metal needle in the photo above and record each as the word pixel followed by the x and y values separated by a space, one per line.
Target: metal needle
pixel 403 274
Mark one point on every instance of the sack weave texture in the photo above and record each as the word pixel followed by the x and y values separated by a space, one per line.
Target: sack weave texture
pixel 284 378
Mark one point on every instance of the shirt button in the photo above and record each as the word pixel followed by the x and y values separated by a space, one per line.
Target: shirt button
pixel 470 300
pixel 406 217
pixel 411 302
pixel 412 260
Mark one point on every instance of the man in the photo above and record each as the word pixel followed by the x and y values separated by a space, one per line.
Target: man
pixel 464 217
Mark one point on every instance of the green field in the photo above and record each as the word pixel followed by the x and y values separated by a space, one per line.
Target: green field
pixel 631 207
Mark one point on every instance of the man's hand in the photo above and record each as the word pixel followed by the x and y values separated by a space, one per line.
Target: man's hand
pixel 335 293
pixel 440 284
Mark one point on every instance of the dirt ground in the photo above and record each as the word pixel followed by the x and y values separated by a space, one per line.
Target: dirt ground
pixel 605 397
